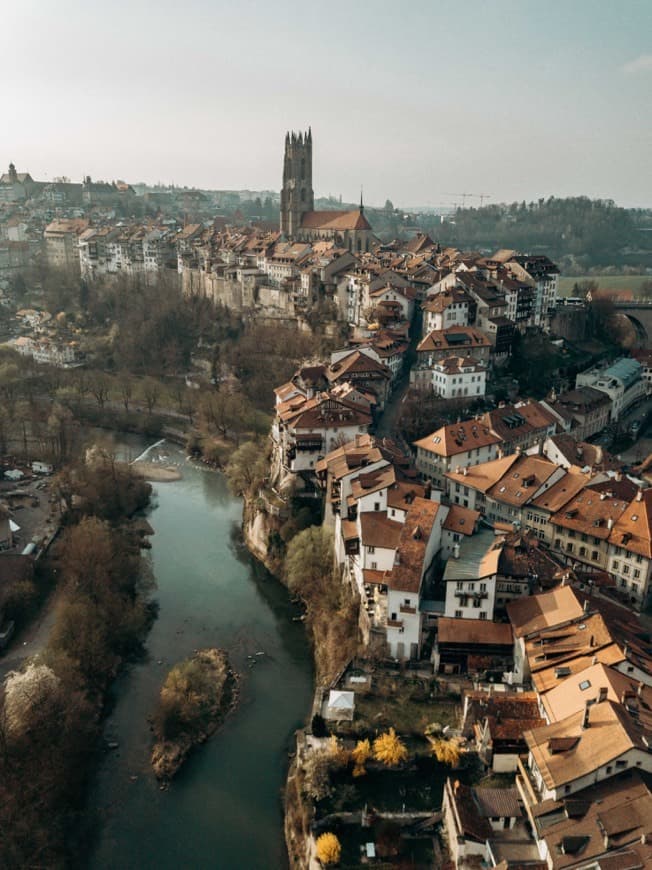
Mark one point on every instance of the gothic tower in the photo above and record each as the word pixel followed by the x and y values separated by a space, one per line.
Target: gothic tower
pixel 297 196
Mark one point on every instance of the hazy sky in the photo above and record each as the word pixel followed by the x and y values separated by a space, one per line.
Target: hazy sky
pixel 414 100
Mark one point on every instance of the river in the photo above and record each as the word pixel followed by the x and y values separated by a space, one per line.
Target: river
pixel 224 808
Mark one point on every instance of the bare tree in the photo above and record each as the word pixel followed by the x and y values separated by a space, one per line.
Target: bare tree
pixel 151 393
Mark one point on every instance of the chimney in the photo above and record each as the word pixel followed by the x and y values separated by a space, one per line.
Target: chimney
pixel 585 718
pixel 586 606
pixel 610 523
pixel 456 551
pixel 465 471
pixel 592 641
pixel 639 689
pixel 625 649
pixel 594 660
pixel 639 495
pixel 603 691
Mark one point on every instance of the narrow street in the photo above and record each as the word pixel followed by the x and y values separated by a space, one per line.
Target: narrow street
pixel 387 425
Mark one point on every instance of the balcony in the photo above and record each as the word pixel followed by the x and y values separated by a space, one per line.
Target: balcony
pixel 526 785
pixel 406 608
pixel 394 623
pixel 466 593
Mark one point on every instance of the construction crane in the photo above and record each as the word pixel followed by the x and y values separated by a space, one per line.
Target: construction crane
pixel 480 196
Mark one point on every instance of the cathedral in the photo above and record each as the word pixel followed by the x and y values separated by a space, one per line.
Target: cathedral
pixel 299 220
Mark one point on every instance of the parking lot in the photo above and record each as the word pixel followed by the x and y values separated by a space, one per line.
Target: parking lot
pixel 30 508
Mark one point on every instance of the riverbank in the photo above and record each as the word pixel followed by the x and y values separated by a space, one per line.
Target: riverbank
pixel 332 633
pixel 226 799
pixel 195 699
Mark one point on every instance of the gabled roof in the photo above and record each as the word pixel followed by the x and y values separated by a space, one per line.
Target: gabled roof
pixel 590 512
pixel 544 610
pixel 611 732
pixel 485 475
pixel 524 478
pixel 378 530
pixel 571 695
pixel 412 546
pixel 633 529
pixel 453 338
pixel 335 220
pixel 459 438
pixel 561 492
pixel 461 520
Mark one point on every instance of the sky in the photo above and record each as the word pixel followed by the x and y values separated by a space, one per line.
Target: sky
pixel 417 102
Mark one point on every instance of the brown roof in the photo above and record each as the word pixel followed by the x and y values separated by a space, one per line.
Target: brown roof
pixel 485 475
pixel 459 438
pixel 546 609
pixel 514 421
pixel 590 512
pixel 524 478
pixel 610 733
pixel 572 694
pixel 368 482
pixel 335 220
pixel 461 520
pixel 561 492
pixel 617 810
pixel 379 531
pixel 473 631
pixel 557 671
pixel 454 338
pixel 402 493
pixel 412 545
pixel 633 529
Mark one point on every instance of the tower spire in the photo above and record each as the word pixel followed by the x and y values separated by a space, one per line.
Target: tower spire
pixel 361 202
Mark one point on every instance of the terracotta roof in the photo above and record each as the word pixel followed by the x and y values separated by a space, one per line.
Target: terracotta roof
pixel 401 494
pixel 485 475
pixel 459 438
pixel 633 529
pixel 544 610
pixel 561 492
pixel 597 823
pixel 514 421
pixel 557 671
pixel 412 546
pixel 461 520
pixel 368 482
pixel 507 714
pixel 377 530
pixel 524 478
pixel 610 733
pixel 571 695
pixel 454 338
pixel 335 220
pixel 590 512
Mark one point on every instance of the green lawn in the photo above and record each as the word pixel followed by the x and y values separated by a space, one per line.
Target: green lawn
pixel 610 282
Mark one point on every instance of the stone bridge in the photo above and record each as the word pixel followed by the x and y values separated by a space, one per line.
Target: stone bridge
pixel 639 315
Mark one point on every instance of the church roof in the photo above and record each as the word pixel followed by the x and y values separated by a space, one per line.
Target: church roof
pixel 335 220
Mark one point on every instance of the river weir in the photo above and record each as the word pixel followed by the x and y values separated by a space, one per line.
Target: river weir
pixel 224 809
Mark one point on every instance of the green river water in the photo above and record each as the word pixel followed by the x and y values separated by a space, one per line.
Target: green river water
pixel 224 808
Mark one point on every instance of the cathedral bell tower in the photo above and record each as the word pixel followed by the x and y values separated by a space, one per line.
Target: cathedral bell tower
pixel 297 196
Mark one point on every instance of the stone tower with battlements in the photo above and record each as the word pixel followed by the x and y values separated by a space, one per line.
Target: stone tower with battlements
pixel 297 195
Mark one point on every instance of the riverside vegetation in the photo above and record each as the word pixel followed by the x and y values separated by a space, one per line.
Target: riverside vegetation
pixel 51 711
pixel 194 700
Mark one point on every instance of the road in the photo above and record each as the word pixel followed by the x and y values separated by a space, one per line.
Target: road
pixel 32 639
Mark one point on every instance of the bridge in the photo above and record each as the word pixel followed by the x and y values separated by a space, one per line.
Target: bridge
pixel 639 315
